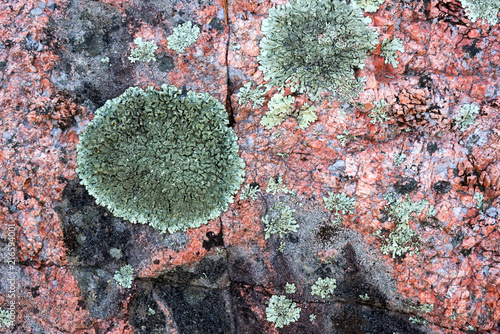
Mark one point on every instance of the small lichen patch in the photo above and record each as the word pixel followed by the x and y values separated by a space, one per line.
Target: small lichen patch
pixel 282 311
pixel 290 288
pixel 124 276
pixel 144 51
pixel 369 6
pixel 306 116
pixel 280 107
pixel 467 116
pixel 283 221
pixel 324 287
pixel 339 202
pixel 183 36
pixel 482 9
pixel 247 94
pixel 389 50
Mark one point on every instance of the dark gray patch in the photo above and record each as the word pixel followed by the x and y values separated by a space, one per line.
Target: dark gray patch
pixel 471 49
pixel 432 147
pixel 216 24
pixel 243 300
pixel 103 298
pixel 358 319
pixel 165 63
pixel 405 185
pixel 145 315
pixel 442 187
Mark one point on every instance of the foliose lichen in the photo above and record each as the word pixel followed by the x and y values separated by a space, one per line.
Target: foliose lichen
pixel 324 287
pixel 339 202
pixel 144 51
pixel 156 157
pixel 306 116
pixel 282 311
pixel 290 288
pixel 280 221
pixel 247 94
pixel 124 276
pixel 389 50
pixel 280 107
pixel 482 9
pixel 467 116
pixel 183 36
pixel 369 6
pixel 250 191
pixel 5 318
pixel 315 46
pixel 378 114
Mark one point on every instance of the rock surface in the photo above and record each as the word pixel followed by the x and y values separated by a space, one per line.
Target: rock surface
pixel 62 59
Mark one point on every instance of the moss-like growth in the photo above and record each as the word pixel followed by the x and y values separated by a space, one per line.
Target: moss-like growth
pixel 184 36
pixel 144 51
pixel 482 9
pixel 315 46
pixel 282 311
pixel 156 157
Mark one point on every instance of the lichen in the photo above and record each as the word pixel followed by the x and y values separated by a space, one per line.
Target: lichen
pixel 402 240
pixel 250 191
pixel 398 158
pixel 280 221
pixel 369 6
pixel 306 116
pixel 467 116
pixel 339 202
pixel 247 94
pixel 378 114
pixel 290 288
pixel 280 107
pixel 324 287
pixel 183 36
pixel 315 46
pixel 389 50
pixel 144 51
pixel 275 186
pixel 124 276
pixel 482 9
pixel 282 311
pixel 156 157
pixel 5 318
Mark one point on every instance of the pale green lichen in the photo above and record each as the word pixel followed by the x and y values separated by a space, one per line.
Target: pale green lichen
pixel 280 107
pixel 479 200
pixel 401 240
pixel 247 94
pixel 280 221
pixel 315 46
pixel 115 253
pixel 275 186
pixel 307 115
pixel 467 116
pixel 389 50
pixel 364 297
pixel 378 113
pixel 369 6
pixel 482 9
pixel 324 287
pixel 144 51
pixel 159 158
pixel 249 191
pixel 105 60
pixel 282 311
pixel 6 319
pixel 344 137
pixel 312 317
pixel 290 288
pixel 183 37
pixel 399 158
pixel 339 202
pixel 124 276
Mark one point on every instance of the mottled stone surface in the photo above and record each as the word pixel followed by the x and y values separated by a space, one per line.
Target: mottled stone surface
pixel 219 278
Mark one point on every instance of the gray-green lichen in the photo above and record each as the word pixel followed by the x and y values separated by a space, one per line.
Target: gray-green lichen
pixel 280 221
pixel 467 116
pixel 183 36
pixel 144 51
pixel 280 107
pixel 290 288
pixel 339 202
pixel 315 47
pixel 482 9
pixel 156 157
pixel 6 319
pixel 324 287
pixel 125 276
pixel 369 6
pixel 282 311
pixel 250 191
pixel 378 113
pixel 247 94
pixel 402 240
pixel 306 116
pixel 389 50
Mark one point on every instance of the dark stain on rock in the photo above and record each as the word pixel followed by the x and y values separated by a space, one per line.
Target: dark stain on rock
pixel 471 49
pixel 405 185
pixel 359 319
pixel 432 147
pixel 165 63
pixel 89 230
pixel 214 240
pixel 145 315
pixel 244 299
pixel 354 282
pixel 442 187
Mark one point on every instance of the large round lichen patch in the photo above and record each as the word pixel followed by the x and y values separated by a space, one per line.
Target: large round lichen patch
pixel 156 157
pixel 315 46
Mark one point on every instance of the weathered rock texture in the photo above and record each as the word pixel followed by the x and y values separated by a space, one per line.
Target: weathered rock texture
pixel 219 278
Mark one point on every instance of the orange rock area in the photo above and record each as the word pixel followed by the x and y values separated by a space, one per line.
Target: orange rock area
pixel 448 61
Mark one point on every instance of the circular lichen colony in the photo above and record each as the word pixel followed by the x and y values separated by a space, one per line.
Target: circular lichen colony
pixel 156 157
pixel 315 46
